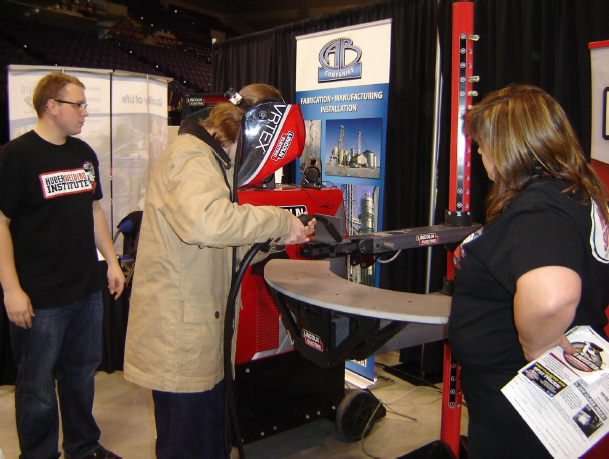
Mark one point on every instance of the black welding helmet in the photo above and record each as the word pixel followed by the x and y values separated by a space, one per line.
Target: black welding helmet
pixel 272 135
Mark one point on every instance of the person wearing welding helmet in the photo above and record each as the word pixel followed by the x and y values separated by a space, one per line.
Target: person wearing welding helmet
pixel 183 273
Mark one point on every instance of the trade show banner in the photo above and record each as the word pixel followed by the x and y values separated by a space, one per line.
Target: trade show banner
pixel 139 114
pixel 21 83
pixel 599 154
pixel 96 131
pixel 342 83
pixel 599 57
pixel 157 127
pixel 342 86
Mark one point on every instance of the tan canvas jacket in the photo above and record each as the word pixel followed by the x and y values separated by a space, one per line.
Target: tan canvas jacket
pixel 184 266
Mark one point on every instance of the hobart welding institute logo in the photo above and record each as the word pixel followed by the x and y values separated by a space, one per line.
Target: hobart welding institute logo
pixel 340 60
pixel 66 182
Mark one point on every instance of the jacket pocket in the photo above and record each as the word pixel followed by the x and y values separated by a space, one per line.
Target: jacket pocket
pixel 200 336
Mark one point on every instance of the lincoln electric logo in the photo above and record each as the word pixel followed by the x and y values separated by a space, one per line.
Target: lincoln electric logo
pixel 195 101
pixel 296 210
pixel 311 339
pixel 340 60
pixel 428 238
pixel 282 146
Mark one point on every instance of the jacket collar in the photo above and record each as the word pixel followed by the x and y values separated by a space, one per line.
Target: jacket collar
pixel 193 128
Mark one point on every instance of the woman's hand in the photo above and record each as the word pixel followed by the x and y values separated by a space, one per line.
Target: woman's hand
pixel 544 306
pixel 566 345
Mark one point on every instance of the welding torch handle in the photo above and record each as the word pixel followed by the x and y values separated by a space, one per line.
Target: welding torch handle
pixel 306 218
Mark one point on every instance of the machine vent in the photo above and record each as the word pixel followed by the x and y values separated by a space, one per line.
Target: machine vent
pixel 267 320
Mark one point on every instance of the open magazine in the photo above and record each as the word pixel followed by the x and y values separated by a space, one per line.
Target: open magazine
pixel 565 398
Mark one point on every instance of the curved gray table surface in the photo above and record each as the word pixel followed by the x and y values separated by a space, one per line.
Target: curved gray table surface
pixel 312 281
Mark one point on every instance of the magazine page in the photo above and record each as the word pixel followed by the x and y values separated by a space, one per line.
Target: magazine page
pixel 565 398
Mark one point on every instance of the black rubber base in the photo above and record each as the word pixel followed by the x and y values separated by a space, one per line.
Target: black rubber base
pixel 439 450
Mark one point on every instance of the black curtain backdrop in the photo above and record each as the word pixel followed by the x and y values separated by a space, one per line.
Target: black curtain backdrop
pixel 541 42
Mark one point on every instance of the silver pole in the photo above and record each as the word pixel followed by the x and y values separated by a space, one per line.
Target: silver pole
pixel 434 153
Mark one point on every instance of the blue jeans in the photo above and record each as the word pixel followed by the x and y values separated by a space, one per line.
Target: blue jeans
pixel 190 425
pixel 64 344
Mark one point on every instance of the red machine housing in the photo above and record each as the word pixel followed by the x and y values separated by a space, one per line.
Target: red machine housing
pixel 258 334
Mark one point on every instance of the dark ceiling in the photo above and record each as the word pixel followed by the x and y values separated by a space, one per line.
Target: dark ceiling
pixel 248 16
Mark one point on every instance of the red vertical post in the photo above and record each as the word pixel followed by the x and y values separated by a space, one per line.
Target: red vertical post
pixel 458 212
pixel 461 98
pixel 451 403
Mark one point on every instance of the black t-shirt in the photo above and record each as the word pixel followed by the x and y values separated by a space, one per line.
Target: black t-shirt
pixel 48 191
pixel 541 227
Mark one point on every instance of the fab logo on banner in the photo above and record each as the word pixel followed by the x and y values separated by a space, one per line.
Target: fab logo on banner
pixel 342 86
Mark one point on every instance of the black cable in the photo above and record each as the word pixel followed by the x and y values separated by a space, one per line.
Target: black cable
pixel 229 330
pixel 230 407
pixel 319 203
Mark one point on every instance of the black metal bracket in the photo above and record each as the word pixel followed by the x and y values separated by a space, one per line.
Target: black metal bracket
pixel 326 337
pixel 373 244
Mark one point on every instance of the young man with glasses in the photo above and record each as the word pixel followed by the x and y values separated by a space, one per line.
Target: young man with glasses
pixel 51 223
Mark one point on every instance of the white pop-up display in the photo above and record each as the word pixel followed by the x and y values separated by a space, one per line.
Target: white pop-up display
pixel 126 127
pixel 599 59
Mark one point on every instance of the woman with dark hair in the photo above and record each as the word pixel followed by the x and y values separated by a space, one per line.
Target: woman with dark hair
pixel 183 275
pixel 537 268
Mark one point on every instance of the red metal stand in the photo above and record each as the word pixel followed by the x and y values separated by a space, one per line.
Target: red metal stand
pixel 459 193
pixel 461 87
pixel 458 214
pixel 451 403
